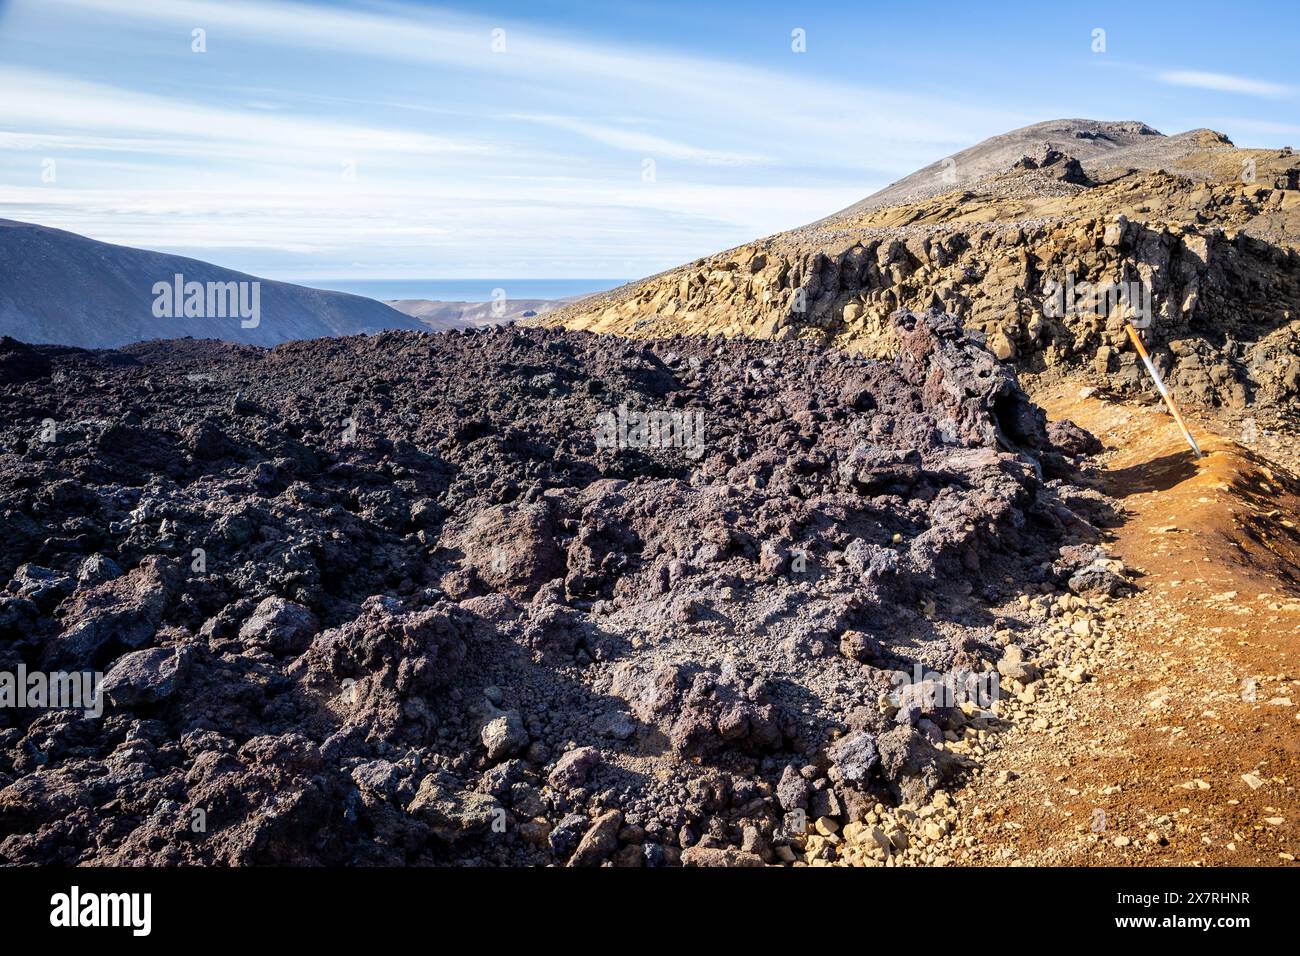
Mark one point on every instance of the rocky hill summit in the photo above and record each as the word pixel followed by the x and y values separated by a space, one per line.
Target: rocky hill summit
pixel 1044 240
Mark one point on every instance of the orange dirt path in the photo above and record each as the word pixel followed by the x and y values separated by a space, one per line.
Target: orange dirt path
pixel 1186 735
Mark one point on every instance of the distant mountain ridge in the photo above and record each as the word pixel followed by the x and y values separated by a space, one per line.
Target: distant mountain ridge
pixel 61 288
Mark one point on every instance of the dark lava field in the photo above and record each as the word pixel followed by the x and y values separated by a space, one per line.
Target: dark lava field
pixel 388 600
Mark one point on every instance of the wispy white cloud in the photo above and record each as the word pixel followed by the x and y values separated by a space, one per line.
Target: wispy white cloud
pixel 424 227
pixel 52 103
pixel 646 144
pixel 1225 83
pixel 682 86
pixel 467 160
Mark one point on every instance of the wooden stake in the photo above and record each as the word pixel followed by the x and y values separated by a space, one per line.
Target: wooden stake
pixel 1160 387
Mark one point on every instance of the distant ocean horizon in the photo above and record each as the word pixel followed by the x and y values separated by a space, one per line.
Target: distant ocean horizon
pixel 464 290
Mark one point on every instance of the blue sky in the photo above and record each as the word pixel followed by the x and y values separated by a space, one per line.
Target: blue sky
pixel 380 140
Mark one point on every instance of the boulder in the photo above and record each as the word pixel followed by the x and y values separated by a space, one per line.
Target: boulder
pixel 600 840
pixel 145 677
pixel 281 626
pixel 504 735
pixel 572 769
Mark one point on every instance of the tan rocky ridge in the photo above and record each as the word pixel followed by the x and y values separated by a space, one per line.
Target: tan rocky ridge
pixel 1207 231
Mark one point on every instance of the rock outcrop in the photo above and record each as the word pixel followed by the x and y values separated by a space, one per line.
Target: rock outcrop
pixel 1045 246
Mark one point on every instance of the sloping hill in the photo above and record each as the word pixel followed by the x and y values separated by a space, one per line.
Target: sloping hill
pixel 1206 232
pixel 60 288
pixel 1093 143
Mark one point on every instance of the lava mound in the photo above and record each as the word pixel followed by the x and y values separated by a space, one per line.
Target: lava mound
pixel 503 597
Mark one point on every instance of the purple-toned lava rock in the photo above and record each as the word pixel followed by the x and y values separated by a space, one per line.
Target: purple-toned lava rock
pixel 387 600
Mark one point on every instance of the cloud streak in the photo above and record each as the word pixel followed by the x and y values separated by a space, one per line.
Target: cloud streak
pixel 1224 83
pixel 646 144
pixel 465 159
pixel 124 119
